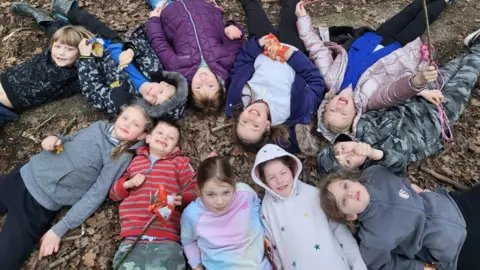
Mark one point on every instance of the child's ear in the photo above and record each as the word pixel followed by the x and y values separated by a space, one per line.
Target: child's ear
pixel 269 125
pixel 145 136
pixel 175 149
pixel 351 217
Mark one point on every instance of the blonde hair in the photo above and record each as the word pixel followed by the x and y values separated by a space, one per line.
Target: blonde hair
pixel 208 104
pixel 70 35
pixel 125 145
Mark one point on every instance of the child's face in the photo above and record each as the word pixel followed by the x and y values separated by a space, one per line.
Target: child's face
pixel 163 139
pixel 340 111
pixel 64 55
pixel 157 93
pixel 348 160
pixel 205 83
pixel 217 196
pixel 253 122
pixel 278 177
pixel 351 197
pixel 130 125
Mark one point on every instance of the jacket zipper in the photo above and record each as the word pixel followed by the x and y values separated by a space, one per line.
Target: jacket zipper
pixel 194 29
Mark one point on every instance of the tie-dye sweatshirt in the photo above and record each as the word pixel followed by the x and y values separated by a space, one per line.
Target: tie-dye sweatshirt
pixel 230 241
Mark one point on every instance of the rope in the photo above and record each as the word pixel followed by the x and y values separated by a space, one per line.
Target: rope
pixel 427 55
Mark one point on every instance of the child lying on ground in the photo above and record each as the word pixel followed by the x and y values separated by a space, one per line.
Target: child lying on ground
pixel 401 226
pixel 77 171
pixel 221 229
pixel 302 235
pixel 415 129
pixel 159 163
pixel 47 76
pixel 121 72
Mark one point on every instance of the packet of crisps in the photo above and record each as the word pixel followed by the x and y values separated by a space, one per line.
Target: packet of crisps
pixel 274 49
pixel 99 45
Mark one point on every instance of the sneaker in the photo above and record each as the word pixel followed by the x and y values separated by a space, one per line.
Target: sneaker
pixel 472 38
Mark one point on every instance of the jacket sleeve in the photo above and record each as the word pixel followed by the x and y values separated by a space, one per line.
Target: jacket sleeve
pixel 394 93
pixel 185 177
pixel 317 51
pixel 189 240
pixel 393 161
pixel 91 200
pixel 305 68
pixel 161 46
pixel 249 52
pixel 349 245
pixel 117 191
pixel 236 44
pixel 93 85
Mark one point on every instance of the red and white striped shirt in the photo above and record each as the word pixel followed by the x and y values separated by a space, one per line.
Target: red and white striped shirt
pixel 174 172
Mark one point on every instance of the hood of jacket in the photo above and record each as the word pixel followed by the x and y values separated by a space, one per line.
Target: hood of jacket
pixel 173 108
pixel 267 153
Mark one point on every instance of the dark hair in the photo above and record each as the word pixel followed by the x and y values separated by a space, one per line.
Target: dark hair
pixel 208 105
pixel 285 160
pixel 171 124
pixel 218 168
pixel 328 201
pixel 157 77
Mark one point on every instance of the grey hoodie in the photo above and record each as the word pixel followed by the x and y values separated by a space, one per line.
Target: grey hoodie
pixel 303 235
pixel 80 176
pixel 401 229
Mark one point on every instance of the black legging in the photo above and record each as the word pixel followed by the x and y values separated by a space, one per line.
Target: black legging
pixel 259 25
pixel 409 23
pixel 469 203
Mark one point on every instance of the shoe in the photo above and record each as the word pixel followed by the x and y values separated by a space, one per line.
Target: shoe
pixel 24 9
pixel 472 38
pixel 61 7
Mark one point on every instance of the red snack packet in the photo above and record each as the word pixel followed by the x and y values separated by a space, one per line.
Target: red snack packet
pixel 274 49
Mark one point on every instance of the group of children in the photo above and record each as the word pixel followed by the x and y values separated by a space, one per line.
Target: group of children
pixel 188 54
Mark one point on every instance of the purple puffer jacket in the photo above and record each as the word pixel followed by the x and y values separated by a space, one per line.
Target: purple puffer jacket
pixel 188 30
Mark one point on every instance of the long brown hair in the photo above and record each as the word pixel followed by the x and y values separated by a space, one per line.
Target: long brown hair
pixel 206 104
pixel 123 146
pixel 218 168
pixel 70 35
pixel 328 201
pixel 285 160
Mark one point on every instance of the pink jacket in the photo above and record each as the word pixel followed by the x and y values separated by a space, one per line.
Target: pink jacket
pixel 384 84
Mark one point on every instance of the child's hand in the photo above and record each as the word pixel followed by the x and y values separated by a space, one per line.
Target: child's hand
pixel 300 10
pixel 232 32
pixel 156 12
pixel 433 96
pixel 363 149
pixel 178 199
pixel 84 48
pixel 135 181
pixel 199 267
pixel 51 143
pixel 428 75
pixel 125 58
pixel 263 40
pixel 50 243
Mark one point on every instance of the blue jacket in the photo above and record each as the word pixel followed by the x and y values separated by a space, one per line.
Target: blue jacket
pixel 402 229
pixel 307 89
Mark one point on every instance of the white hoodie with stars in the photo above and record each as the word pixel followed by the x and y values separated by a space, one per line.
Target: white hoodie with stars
pixel 302 235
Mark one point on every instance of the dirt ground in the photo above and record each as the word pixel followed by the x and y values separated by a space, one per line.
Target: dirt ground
pixel 21 139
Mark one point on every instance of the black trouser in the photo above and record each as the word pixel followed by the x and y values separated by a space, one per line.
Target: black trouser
pixel 259 25
pixel 78 16
pixel 469 204
pixel 409 23
pixel 26 221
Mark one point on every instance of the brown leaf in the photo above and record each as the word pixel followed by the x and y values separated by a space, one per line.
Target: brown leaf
pixel 89 258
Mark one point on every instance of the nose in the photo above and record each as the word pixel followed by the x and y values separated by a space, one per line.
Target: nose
pixel 350 194
pixel 218 201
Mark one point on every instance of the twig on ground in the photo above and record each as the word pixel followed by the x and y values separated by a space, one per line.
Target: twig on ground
pixel 444 179
pixel 69 125
pixel 66 258
pixel 221 127
pixel 75 237
pixel 30 136
pixel 45 122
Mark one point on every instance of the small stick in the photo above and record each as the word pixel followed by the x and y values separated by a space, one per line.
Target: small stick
pixel 31 137
pixel 46 121
pixel 444 179
pixel 66 258
pixel 215 129
pixel 75 237
pixel 13 33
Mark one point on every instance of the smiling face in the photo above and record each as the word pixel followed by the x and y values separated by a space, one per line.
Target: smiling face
pixel 163 139
pixel 63 55
pixel 351 197
pixel 217 196
pixel 253 122
pixel 348 160
pixel 340 111
pixel 130 125
pixel 157 93
pixel 278 177
pixel 205 83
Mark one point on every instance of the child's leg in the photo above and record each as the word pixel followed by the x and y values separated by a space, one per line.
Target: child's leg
pixel 168 255
pixel 468 203
pixel 461 75
pixel 288 32
pixel 257 22
pixel 409 23
pixel 15 244
pixel 6 115
pixel 78 16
